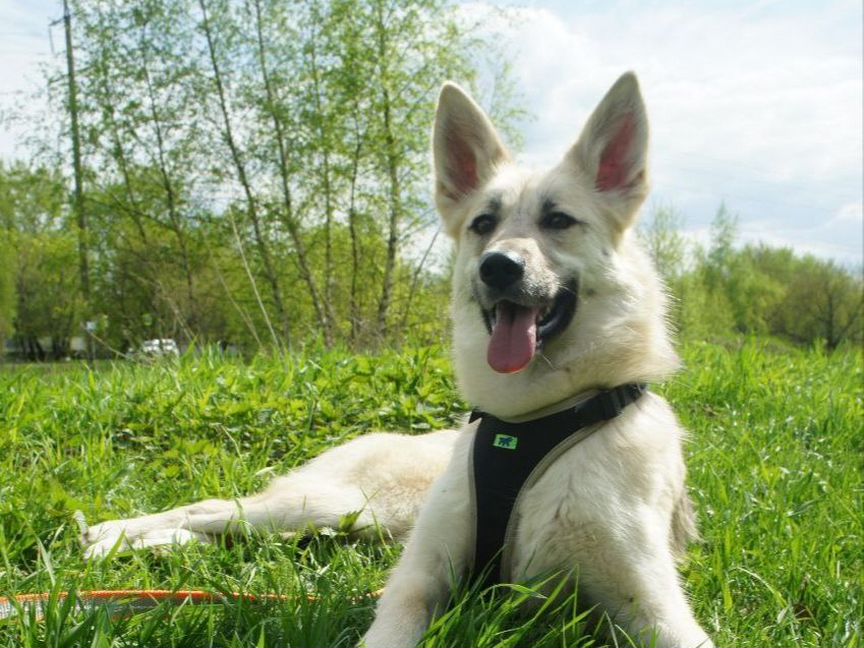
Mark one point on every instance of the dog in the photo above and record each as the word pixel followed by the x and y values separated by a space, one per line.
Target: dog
pixel 553 302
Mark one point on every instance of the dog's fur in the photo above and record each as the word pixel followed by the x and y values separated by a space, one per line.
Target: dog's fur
pixel 614 508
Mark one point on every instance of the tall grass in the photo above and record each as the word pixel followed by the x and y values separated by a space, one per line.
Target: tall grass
pixel 775 458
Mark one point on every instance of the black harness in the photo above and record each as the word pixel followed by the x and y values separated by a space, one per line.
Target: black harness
pixel 509 457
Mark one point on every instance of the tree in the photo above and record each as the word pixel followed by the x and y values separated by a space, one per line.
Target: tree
pixel 667 246
pixel 756 289
pixel 37 248
pixel 8 293
pixel 822 301
pixel 49 299
pixel 256 168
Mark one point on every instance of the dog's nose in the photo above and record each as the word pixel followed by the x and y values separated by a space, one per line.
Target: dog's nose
pixel 501 269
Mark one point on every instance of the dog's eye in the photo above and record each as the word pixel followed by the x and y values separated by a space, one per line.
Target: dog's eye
pixel 558 220
pixel 483 224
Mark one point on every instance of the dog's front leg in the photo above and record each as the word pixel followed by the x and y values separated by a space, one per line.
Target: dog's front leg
pixel 634 578
pixel 438 548
pixel 417 588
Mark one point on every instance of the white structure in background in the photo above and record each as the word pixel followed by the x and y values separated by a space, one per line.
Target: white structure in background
pixel 158 348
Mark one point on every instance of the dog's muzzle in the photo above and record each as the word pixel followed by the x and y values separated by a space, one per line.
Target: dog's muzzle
pixel 519 322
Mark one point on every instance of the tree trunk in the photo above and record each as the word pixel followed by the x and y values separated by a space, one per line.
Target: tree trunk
pixel 78 202
pixel 252 209
pixel 322 312
pixel 170 196
pixel 394 194
pixel 352 230
pixel 326 189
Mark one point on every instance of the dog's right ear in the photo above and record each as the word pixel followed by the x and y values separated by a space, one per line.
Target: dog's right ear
pixel 466 150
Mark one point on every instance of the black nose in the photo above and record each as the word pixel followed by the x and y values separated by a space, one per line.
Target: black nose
pixel 501 269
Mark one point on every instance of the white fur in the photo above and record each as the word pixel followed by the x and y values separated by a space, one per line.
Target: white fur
pixel 377 475
pixel 605 509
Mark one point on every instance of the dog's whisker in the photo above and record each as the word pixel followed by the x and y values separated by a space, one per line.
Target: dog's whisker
pixel 547 360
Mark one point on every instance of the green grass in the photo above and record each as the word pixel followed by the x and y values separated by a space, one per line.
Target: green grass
pixel 775 461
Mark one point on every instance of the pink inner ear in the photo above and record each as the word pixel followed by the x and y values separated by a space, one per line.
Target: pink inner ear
pixel 615 169
pixel 462 165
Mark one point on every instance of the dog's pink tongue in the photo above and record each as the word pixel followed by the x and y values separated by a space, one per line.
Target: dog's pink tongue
pixel 514 338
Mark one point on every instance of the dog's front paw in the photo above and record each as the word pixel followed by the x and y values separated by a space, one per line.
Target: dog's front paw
pixel 117 536
pixel 388 631
pixel 383 638
pixel 101 539
pixel 691 636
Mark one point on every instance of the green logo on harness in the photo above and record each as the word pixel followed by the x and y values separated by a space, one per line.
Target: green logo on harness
pixel 505 441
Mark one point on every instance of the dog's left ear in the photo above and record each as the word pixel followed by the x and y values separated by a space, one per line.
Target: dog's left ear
pixel 466 150
pixel 612 149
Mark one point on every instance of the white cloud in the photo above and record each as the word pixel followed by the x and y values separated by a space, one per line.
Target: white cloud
pixel 24 46
pixel 851 213
pixel 757 104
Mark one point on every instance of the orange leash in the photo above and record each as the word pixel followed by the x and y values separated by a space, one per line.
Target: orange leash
pixel 129 602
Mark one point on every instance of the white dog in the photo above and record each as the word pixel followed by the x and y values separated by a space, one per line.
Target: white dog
pixel 554 302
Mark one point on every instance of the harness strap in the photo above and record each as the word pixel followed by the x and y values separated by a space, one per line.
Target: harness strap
pixel 506 458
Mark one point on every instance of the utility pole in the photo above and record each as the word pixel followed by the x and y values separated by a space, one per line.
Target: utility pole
pixel 78 201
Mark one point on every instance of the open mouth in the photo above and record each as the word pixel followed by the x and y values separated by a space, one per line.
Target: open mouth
pixel 517 332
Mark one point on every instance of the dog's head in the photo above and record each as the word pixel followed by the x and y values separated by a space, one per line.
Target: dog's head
pixel 551 293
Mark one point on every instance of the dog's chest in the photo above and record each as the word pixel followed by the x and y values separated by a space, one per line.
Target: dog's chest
pixel 585 503
pixel 565 516
pixel 523 470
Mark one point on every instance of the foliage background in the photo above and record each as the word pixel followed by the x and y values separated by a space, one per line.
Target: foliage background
pixel 256 176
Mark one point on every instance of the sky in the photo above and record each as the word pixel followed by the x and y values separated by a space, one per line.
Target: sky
pixel 756 104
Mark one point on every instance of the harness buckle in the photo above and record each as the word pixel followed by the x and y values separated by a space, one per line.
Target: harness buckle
pixel 612 404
